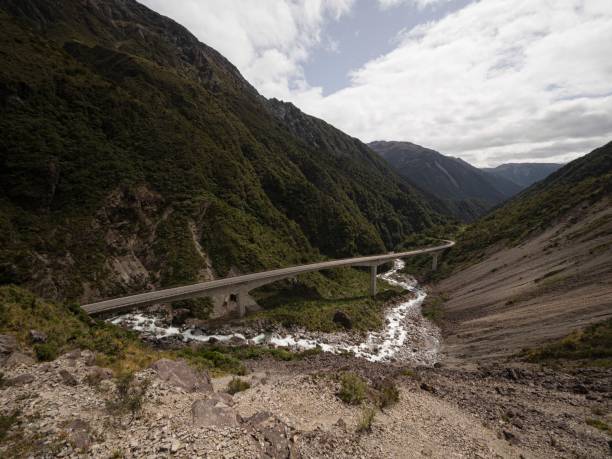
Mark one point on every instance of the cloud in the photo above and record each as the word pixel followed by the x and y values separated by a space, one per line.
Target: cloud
pixel 268 40
pixel 497 80
pixel 418 3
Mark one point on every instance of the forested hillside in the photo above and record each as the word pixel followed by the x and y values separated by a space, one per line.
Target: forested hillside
pixel 134 156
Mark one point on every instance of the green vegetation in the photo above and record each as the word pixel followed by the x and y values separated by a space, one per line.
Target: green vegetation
pixel 601 425
pixel 6 422
pixel 387 394
pixel 353 389
pixel 313 303
pixel 115 146
pixel 591 346
pixel 366 419
pixel 237 385
pixel 129 396
pixel 432 308
pixel 200 308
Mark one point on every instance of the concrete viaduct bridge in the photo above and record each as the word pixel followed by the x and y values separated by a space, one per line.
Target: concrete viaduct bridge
pixel 241 285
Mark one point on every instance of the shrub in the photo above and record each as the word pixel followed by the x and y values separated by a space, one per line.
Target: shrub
pixel 365 420
pixel 599 425
pixel 129 396
pixel 237 385
pixel 388 394
pixel 6 422
pixel 46 352
pixel 353 389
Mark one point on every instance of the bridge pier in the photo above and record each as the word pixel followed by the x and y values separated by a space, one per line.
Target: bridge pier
pixel 373 271
pixel 241 302
pixel 434 262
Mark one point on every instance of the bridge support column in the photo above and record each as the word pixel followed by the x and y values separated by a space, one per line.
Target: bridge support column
pixel 373 270
pixel 241 302
pixel 434 262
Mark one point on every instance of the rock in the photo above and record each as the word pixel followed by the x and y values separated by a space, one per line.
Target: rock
pixel 510 437
pixel 224 397
pixel 275 436
pixel 37 336
pixel 580 389
pixel 8 344
pixel 212 412
pixel 97 374
pixel 428 388
pixel 73 355
pixel 179 374
pixel 511 373
pixel 212 340
pixel 179 316
pixel 89 358
pixel 20 380
pixel 18 358
pixel 342 318
pixel 341 424
pixel 78 434
pixel 68 378
pixel 175 446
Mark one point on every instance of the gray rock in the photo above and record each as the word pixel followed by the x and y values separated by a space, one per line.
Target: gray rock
pixel 73 355
pixel 78 434
pixel 18 358
pixel 37 336
pixel 8 344
pixel 179 374
pixel 68 378
pixel 20 380
pixel 179 316
pixel 89 358
pixel 342 318
pixel 274 435
pixel 97 374
pixel 213 412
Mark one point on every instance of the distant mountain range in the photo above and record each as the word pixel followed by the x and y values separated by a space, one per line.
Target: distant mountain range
pixel 523 174
pixel 466 192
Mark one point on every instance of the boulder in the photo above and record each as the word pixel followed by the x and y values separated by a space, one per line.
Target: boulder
pixel 18 358
pixel 274 436
pixel 89 358
pixel 8 344
pixel 179 316
pixel 179 374
pixel 78 434
pixel 20 380
pixel 341 318
pixel 68 378
pixel 37 336
pixel 213 412
pixel 97 374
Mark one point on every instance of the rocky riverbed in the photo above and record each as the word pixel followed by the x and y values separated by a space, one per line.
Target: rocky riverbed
pixel 407 337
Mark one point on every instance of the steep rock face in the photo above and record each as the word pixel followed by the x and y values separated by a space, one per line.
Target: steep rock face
pixel 135 157
pixel 467 192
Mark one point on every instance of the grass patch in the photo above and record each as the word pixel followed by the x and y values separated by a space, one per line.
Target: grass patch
pixel 364 425
pixel 6 423
pixel 387 394
pixel 598 424
pixel 591 345
pixel 353 389
pixel 129 396
pixel 237 385
pixel 432 308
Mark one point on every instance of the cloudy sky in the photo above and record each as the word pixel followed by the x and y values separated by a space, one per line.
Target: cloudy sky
pixel 489 81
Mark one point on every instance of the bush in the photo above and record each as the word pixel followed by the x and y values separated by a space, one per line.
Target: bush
pixel 6 422
pixel 237 385
pixel 388 394
pixel 365 420
pixel 46 352
pixel 129 396
pixel 353 389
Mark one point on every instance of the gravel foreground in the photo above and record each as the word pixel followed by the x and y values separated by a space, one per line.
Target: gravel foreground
pixel 292 410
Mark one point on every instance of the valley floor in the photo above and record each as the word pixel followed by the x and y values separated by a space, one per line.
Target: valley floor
pixel 292 410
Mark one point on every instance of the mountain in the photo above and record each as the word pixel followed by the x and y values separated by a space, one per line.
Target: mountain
pixel 537 268
pixel 466 191
pixel 133 157
pixel 523 174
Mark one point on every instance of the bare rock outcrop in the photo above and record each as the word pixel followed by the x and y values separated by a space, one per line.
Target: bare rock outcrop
pixel 179 374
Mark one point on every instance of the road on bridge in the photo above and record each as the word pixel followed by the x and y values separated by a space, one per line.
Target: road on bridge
pixel 240 285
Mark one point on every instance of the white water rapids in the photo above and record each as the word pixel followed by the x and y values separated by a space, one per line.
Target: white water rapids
pixel 406 337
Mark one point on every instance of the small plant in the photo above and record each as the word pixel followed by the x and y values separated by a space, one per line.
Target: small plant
pixel 388 394
pixel 6 422
pixel 129 397
pixel 409 372
pixel 46 352
pixel 365 420
pixel 353 389
pixel 599 425
pixel 237 385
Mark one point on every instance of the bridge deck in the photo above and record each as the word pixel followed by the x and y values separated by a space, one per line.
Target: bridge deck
pixel 243 283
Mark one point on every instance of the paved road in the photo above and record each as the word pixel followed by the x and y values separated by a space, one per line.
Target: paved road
pixel 243 283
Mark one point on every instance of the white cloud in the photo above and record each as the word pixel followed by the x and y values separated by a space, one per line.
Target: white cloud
pixel 268 40
pixel 497 80
pixel 418 3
